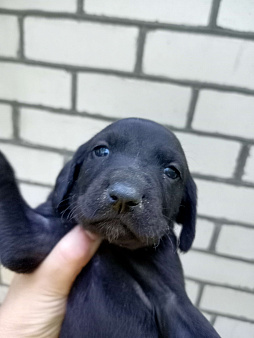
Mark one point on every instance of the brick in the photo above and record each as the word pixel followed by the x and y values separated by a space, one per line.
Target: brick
pixel 225 201
pixel 249 168
pixel 236 241
pixel 81 43
pixel 207 267
pixel 9 36
pixel 3 293
pixel 36 85
pixel 121 97
pixel 192 289
pixel 40 5
pixel 192 12
pixel 215 110
pixel 33 194
pixel 210 155
pixel 232 328
pixel 236 15
pixel 6 130
pixel 200 57
pixel 33 165
pixel 6 275
pixel 204 232
pixel 229 302
pixel 57 130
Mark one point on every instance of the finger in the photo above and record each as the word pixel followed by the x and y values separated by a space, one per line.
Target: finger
pixel 59 270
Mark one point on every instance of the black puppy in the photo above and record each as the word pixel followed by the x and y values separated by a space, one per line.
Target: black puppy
pixel 129 184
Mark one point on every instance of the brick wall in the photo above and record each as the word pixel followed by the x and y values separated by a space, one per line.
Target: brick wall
pixel 69 68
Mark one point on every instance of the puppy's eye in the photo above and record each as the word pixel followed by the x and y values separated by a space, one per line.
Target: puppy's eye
pixel 172 172
pixel 101 151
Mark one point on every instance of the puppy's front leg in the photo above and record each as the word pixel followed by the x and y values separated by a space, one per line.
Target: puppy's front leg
pixel 26 237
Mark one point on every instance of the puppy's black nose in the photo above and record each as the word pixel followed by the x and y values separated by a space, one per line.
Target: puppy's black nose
pixel 122 196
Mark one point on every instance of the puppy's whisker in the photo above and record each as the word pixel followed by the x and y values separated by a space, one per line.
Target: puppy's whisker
pixel 64 200
pixel 72 213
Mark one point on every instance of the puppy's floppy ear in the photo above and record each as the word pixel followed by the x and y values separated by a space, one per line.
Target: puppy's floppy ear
pixel 66 179
pixel 187 215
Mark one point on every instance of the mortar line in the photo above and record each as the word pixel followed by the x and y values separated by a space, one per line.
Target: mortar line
pixel 226 315
pixel 241 161
pixel 229 181
pixel 219 285
pixel 80 7
pixel 16 122
pixel 192 107
pixel 221 255
pixel 214 14
pixel 74 91
pixel 153 78
pixel 213 319
pixel 25 144
pixel 133 22
pixel 215 236
pixel 21 38
pixel 225 221
pixel 200 294
pixel 38 184
pixel 140 50
pixel 95 116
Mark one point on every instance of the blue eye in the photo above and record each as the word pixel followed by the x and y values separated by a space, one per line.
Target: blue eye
pixel 101 151
pixel 172 172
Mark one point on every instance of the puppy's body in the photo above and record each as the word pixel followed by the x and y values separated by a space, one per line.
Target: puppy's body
pixel 129 184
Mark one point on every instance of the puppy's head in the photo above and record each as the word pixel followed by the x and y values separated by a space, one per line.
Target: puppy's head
pixel 129 184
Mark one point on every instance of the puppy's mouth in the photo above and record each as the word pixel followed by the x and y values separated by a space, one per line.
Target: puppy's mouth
pixel 117 232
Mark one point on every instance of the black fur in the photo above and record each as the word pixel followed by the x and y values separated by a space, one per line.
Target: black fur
pixel 133 286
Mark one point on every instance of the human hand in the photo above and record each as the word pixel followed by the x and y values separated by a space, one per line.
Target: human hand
pixel 36 303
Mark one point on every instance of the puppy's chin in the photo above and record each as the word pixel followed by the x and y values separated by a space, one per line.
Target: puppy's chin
pixel 117 233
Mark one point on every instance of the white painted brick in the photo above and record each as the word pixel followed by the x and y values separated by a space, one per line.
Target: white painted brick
pixel 33 165
pixel 57 130
pixel 6 130
pixel 191 12
pixel 200 57
pixel 208 267
pixel 215 110
pixel 3 293
pixel 81 43
pixel 236 241
pixel 40 5
pixel 36 85
pixel 33 194
pixel 237 15
pixel 249 168
pixel 204 232
pixel 209 155
pixel 6 275
pixel 232 328
pixel 9 35
pixel 122 97
pixel 227 301
pixel 192 289
pixel 225 201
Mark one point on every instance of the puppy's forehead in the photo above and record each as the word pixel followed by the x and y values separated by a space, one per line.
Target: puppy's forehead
pixel 140 132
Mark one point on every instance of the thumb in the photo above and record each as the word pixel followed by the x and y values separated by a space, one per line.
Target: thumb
pixel 59 270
